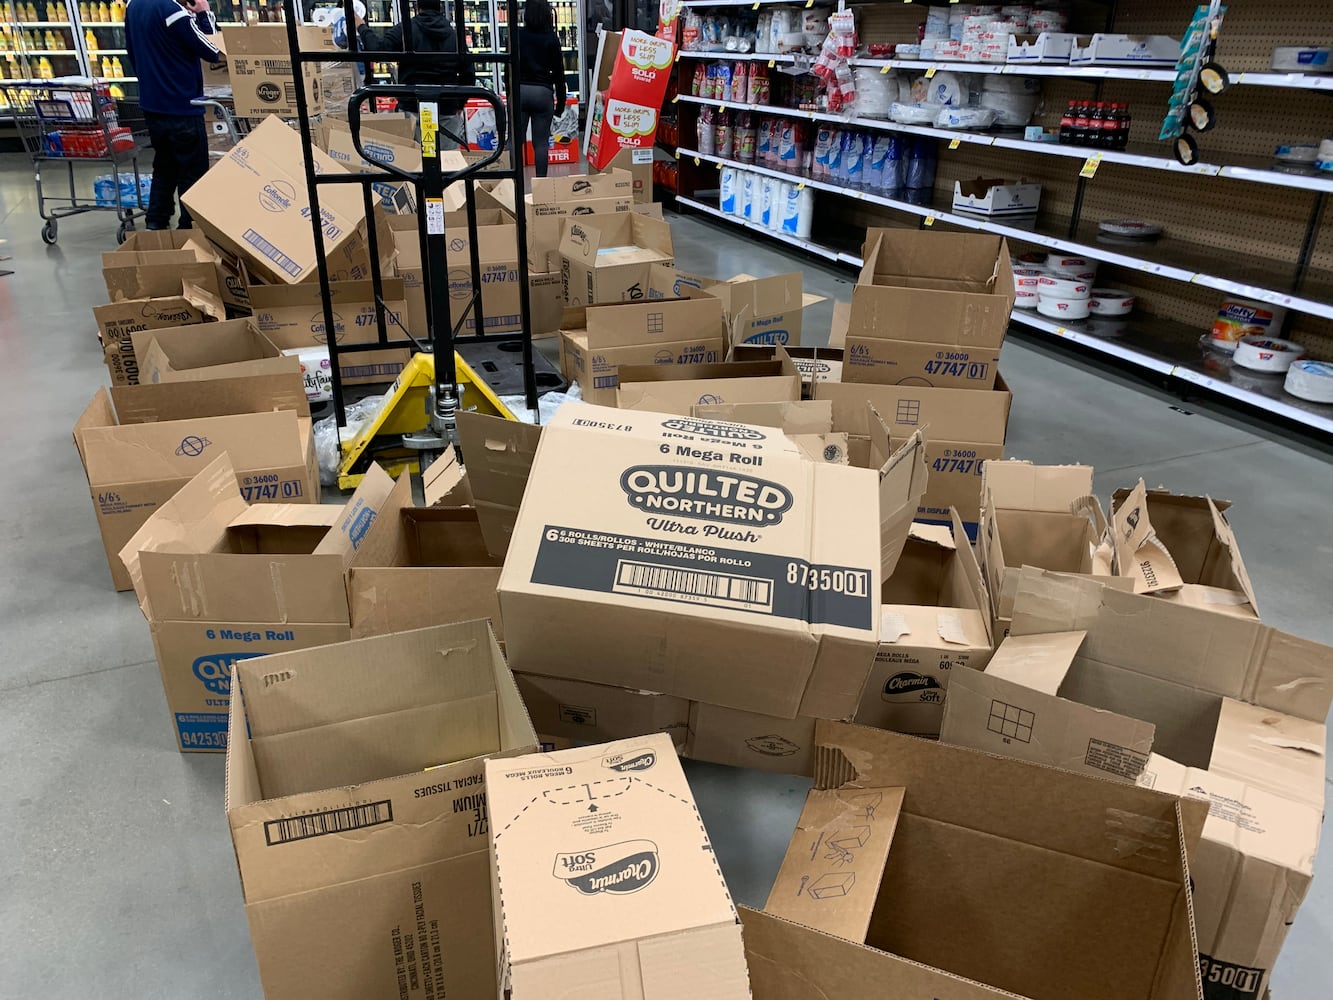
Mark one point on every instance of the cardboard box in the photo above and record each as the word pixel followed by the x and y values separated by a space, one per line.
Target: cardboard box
pixel 608 258
pixel 253 203
pixel 440 572
pixel 259 66
pixel 292 316
pixel 993 197
pixel 129 270
pixel 229 349
pixel 749 739
pixel 1043 516
pixel 628 905
pixel 546 301
pixel 679 388
pixel 598 713
pixel 153 297
pixel 808 424
pixel 966 429
pixel 1182 549
pixel 1238 709
pixel 221 581
pixel 934 625
pixel 403 152
pixel 630 527
pixel 863 898
pixel 553 199
pixel 140 444
pixel 356 797
pixel 762 310
pixel 930 309
pixel 816 364
pixel 639 163
pixel 499 461
pixel 665 332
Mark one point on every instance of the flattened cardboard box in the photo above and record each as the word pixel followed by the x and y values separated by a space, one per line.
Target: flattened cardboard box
pixel 500 455
pixel 934 626
pixel 862 897
pixel 1199 546
pixel 140 444
pixel 930 309
pixel 605 881
pixel 666 332
pixel 1238 709
pixel 698 544
pixel 609 258
pixel 356 797
pixel 221 581
pixel 229 349
pixel 966 429
pixel 253 203
pixel 292 316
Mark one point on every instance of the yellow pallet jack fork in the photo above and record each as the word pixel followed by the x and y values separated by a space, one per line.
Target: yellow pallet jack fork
pixel 407 412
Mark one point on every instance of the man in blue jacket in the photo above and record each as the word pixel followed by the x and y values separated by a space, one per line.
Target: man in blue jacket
pixel 166 40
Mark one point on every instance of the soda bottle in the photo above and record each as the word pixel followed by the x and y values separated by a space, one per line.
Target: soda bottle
pixel 1082 132
pixel 1067 125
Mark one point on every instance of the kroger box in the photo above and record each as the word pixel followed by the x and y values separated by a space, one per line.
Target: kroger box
pixel 140 444
pixel 259 66
pixel 604 880
pixel 221 581
pixel 930 309
pixel 697 545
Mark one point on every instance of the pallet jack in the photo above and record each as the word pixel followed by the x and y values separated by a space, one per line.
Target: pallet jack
pixel 418 420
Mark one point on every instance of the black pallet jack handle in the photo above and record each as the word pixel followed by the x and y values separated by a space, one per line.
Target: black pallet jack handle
pixel 429 185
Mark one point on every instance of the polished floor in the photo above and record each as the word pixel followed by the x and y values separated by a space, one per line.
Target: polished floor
pixel 117 878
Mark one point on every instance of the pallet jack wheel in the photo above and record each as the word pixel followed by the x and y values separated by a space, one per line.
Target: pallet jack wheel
pixel 49 232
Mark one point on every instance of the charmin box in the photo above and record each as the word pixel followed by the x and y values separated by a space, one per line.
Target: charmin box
pixel 356 798
pixel 605 884
pixel 728 567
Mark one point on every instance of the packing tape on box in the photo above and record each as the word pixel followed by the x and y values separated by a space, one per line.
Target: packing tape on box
pixel 1311 380
pixel 1267 354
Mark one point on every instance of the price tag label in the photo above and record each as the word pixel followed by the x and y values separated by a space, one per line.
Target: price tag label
pixel 955 142
pixel 1090 166
pixel 677 59
pixel 675 98
pixel 772 63
pixel 930 220
pixel 930 73
pixel 696 161
pixel 756 5
pixel 885 68
pixel 809 4
pixel 800 186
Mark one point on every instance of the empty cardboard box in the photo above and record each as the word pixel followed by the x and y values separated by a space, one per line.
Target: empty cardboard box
pixel 230 349
pixel 356 797
pixel 608 258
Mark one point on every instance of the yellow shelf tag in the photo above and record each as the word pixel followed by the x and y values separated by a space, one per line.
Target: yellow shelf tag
pixel 1090 166
pixel 696 161
pixel 772 63
pixel 756 5
pixel 800 186
pixel 930 72
pixel 930 220
pixel 675 99
pixel 955 142
pixel 885 68
pixel 809 4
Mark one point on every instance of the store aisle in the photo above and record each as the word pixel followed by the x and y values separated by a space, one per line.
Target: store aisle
pixel 117 865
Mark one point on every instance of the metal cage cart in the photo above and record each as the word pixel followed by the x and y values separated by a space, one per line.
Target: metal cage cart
pixel 225 129
pixel 70 123
pixel 439 375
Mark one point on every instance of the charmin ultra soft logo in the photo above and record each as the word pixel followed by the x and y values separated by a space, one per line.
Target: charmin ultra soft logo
pixel 618 869
pixel 705 494
pixel 635 760
pixel 714 429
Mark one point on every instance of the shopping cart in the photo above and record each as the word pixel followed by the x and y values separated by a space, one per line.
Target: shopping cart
pixel 225 129
pixel 72 123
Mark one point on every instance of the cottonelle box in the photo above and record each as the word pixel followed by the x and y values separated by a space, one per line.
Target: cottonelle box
pixel 729 569
pixel 292 316
pixel 1043 516
pixel 608 258
pixel 259 66
pixel 221 581
pixel 153 297
pixel 930 309
pixel 229 349
pixel 1238 709
pixel 356 797
pixel 966 429
pixel 1103 913
pixel 661 332
pixel 1181 549
pixel 253 203
pixel 934 625
pixel 604 879
pixel 140 444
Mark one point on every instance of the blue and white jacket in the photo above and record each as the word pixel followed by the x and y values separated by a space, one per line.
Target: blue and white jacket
pixel 166 43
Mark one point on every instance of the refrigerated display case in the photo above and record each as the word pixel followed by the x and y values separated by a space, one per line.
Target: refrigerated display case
pixel 38 41
pixel 569 26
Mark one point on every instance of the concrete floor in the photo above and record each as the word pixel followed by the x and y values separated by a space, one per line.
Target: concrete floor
pixel 117 871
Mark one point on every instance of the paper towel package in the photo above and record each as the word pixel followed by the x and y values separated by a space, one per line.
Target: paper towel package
pixel 604 880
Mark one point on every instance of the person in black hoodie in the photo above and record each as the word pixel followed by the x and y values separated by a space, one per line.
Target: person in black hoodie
pixel 431 32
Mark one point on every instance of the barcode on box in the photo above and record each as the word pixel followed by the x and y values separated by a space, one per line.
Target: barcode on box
pixel 286 831
pixel 722 590
pixel 277 67
pixel 271 252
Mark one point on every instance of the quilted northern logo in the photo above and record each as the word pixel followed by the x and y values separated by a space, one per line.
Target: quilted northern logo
pixel 714 429
pixel 708 495
pixel 617 869
pixel 214 670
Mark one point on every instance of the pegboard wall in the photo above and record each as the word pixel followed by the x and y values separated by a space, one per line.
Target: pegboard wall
pixel 1234 228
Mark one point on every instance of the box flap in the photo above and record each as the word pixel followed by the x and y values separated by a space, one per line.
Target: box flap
pixel 367 506
pixel 792 417
pixel 830 876
pixel 902 482
pixel 972 575
pixel 144 404
pixel 660 321
pixel 1017 484
pixel 1139 553
pixel 1039 662
pixel 498 455
pixel 445 484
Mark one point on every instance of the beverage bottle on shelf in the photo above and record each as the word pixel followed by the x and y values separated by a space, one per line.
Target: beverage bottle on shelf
pixel 1067 125
pixel 1122 126
pixel 83 12
pixel 49 40
pixel 28 41
pixel 1097 124
pixel 117 70
pixel 103 12
pixel 90 40
pixel 118 92
pixel 1082 125
pixel 117 10
pixel 44 70
pixel 50 16
pixel 106 67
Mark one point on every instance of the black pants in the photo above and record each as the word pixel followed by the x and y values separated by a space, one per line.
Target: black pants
pixel 536 106
pixel 180 157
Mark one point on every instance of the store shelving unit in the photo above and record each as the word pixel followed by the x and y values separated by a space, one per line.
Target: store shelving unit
pixel 1237 224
